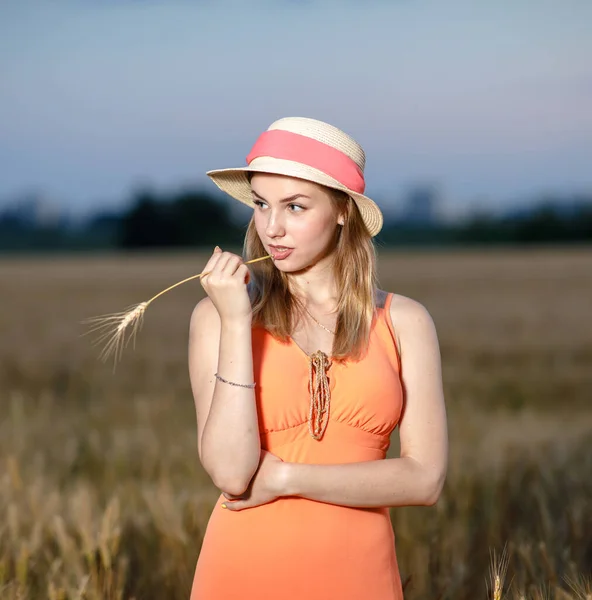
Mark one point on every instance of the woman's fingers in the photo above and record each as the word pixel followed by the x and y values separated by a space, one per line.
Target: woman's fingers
pixel 236 505
pixel 232 263
pixel 226 286
pixel 221 263
pixel 244 272
pixel 212 262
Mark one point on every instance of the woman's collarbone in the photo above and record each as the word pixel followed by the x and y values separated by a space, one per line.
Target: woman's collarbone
pixel 310 344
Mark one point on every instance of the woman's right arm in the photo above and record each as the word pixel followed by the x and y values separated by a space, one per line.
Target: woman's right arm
pixel 228 440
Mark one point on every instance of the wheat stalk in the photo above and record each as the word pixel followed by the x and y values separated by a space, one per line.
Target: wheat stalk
pixel 498 570
pixel 112 327
pixel 581 586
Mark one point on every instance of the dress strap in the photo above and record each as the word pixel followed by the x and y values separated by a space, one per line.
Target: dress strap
pixel 386 315
pixel 387 303
pixel 380 298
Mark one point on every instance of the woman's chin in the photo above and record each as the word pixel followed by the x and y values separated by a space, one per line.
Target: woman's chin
pixel 293 269
pixel 285 266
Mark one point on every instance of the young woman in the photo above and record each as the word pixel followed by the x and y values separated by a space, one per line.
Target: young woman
pixel 301 368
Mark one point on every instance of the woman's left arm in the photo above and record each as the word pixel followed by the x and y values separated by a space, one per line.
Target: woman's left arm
pixel 417 477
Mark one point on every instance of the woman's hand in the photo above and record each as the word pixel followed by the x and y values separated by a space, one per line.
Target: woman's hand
pixel 267 484
pixel 226 285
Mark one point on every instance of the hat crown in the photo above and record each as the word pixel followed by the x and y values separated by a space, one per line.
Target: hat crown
pixel 325 133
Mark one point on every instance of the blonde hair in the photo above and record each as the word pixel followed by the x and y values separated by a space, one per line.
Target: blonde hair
pixel 275 308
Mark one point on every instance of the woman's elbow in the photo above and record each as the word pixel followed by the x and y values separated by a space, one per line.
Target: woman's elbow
pixel 434 488
pixel 225 481
pixel 229 481
pixel 232 486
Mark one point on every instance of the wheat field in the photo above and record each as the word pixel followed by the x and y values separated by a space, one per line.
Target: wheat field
pixel 101 491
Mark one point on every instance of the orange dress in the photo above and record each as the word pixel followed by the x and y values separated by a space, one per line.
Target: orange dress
pixel 299 549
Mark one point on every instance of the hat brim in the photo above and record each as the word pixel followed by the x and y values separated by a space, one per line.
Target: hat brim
pixel 235 183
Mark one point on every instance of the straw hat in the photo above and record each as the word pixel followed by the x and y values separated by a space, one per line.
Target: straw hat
pixel 307 149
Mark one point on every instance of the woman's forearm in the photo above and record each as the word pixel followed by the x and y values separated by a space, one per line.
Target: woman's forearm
pixel 231 446
pixel 387 482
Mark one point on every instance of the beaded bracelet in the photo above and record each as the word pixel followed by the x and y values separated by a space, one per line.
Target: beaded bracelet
pixel 245 385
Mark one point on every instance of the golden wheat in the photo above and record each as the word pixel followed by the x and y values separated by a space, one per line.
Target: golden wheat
pixel 112 327
pixel 498 569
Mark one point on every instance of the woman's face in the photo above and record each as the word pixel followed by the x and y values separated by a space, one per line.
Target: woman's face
pixel 295 214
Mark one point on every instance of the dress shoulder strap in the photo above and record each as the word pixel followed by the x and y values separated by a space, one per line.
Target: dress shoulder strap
pixel 380 298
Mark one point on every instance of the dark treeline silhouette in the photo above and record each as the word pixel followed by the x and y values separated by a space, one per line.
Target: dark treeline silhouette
pixel 191 218
pixel 545 224
pixel 197 219
pixel 548 222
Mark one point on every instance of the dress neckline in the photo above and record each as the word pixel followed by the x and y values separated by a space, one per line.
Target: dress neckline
pixel 303 352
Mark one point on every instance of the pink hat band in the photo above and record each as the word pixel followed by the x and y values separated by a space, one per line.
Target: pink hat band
pixel 286 145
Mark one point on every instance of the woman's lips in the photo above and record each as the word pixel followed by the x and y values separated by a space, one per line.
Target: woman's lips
pixel 280 253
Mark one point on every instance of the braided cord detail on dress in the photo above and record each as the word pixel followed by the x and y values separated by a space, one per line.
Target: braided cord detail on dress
pixel 320 394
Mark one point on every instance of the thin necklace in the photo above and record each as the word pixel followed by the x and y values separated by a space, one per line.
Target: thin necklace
pixel 319 324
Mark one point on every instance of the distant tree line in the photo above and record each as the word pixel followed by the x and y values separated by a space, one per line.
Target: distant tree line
pixel 546 223
pixel 195 219
pixel 191 218
pixel 549 222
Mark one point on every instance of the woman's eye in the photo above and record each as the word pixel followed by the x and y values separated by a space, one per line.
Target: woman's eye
pixel 261 204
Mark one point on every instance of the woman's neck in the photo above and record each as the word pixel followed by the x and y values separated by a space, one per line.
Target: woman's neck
pixel 315 286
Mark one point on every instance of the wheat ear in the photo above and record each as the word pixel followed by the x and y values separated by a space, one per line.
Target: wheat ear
pixel 498 570
pixel 112 327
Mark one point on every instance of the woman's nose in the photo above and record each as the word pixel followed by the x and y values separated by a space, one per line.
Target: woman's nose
pixel 274 226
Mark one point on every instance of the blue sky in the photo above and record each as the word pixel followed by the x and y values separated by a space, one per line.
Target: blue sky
pixel 492 101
